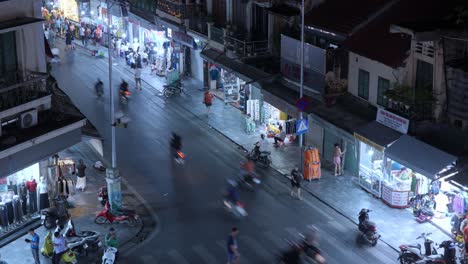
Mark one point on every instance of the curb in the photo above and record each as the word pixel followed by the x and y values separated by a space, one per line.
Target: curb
pixel 145 228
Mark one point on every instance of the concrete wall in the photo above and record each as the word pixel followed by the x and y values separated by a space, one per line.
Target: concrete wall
pixel 376 70
pixel 31 57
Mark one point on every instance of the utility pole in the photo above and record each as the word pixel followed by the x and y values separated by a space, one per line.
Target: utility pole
pixel 301 136
pixel 113 179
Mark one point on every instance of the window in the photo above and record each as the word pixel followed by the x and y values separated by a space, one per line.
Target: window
pixel 423 77
pixel 363 84
pixel 8 58
pixel 383 86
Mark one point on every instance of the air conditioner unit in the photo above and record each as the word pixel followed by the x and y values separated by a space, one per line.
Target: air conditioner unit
pixel 28 119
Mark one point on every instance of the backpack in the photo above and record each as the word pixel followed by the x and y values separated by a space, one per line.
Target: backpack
pixel 297 176
pixel 208 98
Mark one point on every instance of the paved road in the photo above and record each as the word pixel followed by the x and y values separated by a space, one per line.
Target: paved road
pixel 193 227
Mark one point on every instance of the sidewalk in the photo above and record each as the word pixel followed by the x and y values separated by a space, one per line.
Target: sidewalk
pixel 397 226
pixel 86 205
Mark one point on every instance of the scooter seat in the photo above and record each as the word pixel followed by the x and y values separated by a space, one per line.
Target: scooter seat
pixel 73 239
pixel 126 211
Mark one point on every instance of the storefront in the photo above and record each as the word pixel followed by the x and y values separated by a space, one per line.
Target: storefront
pixel 160 49
pixel 411 169
pixel 70 9
pixel 371 141
pixel 324 135
pixel 22 195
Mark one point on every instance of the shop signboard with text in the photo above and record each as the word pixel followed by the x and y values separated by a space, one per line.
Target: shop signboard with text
pixel 183 38
pixel 314 63
pixel 392 121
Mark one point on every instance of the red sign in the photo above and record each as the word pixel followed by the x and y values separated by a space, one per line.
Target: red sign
pixel 302 104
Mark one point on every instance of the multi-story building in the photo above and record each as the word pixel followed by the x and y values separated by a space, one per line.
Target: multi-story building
pixel 37 120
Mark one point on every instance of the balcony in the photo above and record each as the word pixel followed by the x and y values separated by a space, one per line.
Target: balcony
pixel 241 49
pixel 420 108
pixel 18 94
pixel 180 11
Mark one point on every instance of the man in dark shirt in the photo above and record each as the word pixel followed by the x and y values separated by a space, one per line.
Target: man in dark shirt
pixel 232 250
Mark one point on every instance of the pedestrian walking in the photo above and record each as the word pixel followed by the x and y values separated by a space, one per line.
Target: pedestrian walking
pixel 81 176
pixel 68 40
pixel 233 255
pixel 208 100
pixel 59 247
pixel 118 45
pixel 111 240
pixel 138 78
pixel 52 34
pixel 337 154
pixel 296 181
pixel 34 242
pixel 82 35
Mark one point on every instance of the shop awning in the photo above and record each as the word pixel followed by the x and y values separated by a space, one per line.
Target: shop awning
pixel 13 24
pixel 379 135
pixel 460 178
pixel 419 156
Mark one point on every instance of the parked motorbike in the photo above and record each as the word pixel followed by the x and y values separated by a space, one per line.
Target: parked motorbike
pixel 103 196
pixel 109 255
pixel 106 216
pixel 47 250
pixel 90 239
pixel 422 204
pixel 411 253
pixel 57 214
pixel 262 157
pixel 172 89
pixel 368 229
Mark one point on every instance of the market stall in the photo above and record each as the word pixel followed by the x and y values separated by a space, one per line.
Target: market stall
pixel 372 139
pixel 410 168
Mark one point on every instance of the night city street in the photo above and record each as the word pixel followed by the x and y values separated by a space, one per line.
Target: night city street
pixel 188 199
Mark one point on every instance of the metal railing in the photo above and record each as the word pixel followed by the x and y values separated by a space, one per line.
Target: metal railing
pixel 217 34
pixel 418 111
pixel 19 92
pixel 247 48
pixel 172 8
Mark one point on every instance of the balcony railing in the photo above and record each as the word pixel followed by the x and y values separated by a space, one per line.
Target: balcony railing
pixel 418 111
pixel 244 49
pixel 16 92
pixel 181 10
pixel 217 34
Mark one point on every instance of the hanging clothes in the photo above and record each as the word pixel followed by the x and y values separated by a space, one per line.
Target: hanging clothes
pixel 458 204
pixel 23 193
pixel 3 215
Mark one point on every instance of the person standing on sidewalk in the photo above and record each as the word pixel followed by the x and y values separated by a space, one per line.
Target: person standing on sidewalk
pixel 34 241
pixel 296 180
pixel 208 100
pixel 232 249
pixel 337 154
pixel 81 176
pixel 82 35
pixel 59 247
pixel 138 78
pixel 111 240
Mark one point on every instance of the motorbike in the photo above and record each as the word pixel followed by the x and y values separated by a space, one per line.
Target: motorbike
pixel 421 204
pixel 368 229
pixel 99 88
pixel 236 209
pixel 176 146
pixel 172 89
pixel 90 239
pixel 58 214
pixel 248 181
pixel 109 255
pixel 411 253
pixel 262 157
pixel 47 250
pixel 106 216
pixel 103 196
pixel 124 96
pixel 301 250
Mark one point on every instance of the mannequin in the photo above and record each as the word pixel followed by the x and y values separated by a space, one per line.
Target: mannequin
pixel 31 185
pixel 3 215
pixel 23 193
pixel 43 195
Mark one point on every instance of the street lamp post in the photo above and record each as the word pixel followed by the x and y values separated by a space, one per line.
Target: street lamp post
pixel 112 174
pixel 301 139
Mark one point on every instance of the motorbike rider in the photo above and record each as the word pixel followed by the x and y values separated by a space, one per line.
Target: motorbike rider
pixel 311 244
pixel 232 193
pixel 261 146
pixel 248 170
pixel 99 87
pixel 123 87
pixel 176 143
